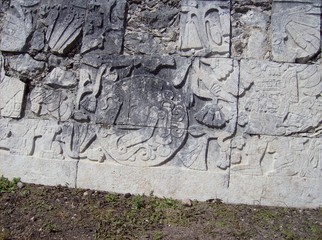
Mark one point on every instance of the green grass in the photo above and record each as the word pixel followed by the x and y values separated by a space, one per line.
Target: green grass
pixel 7 185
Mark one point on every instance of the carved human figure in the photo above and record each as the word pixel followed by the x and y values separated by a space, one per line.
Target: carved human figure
pixel 213 90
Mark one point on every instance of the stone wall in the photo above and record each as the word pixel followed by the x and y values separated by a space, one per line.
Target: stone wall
pixel 191 99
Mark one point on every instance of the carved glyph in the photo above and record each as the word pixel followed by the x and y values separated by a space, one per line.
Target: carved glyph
pixel 205 28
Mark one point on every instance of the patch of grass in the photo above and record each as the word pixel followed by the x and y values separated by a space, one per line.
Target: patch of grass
pixel 138 202
pixel 7 185
pixel 111 198
pixel 38 212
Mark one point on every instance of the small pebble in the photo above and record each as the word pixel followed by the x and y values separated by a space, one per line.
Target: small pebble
pixel 85 193
pixel 127 195
pixel 187 202
pixel 20 185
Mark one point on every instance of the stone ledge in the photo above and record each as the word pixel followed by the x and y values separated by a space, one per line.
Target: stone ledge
pixel 39 171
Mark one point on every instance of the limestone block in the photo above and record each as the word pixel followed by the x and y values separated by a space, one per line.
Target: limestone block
pixel 39 171
pixel 277 156
pixel 212 95
pixel 52 102
pixel 296 30
pixel 205 28
pixel 59 77
pixel 104 27
pixel 280 99
pixel 152 28
pixel 275 191
pixel 31 137
pixel 281 171
pixel 12 92
pixel 161 181
pixel 146 116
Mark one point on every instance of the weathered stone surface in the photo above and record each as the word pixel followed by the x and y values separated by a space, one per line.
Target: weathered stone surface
pixel 141 96
pixel 283 171
pixel 64 21
pixel 104 26
pixel 152 28
pixel 280 98
pixel 39 171
pixel 57 103
pixel 25 65
pixel 250 31
pixel 17 27
pixel 161 181
pixel 205 28
pixel 11 94
pixel 277 156
pixel 296 30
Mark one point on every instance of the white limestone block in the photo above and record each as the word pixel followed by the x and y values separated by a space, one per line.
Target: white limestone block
pixel 37 170
pixel 171 182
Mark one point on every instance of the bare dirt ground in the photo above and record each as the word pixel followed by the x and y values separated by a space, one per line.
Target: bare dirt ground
pixel 37 212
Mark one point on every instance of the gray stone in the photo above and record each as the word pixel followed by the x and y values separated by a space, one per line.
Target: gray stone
pixel 17 29
pixel 296 30
pixel 57 103
pixel 59 77
pixel 26 65
pixel 65 21
pixel 250 32
pixel 104 27
pixel 20 185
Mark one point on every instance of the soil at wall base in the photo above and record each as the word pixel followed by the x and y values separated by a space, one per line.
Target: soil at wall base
pixel 39 212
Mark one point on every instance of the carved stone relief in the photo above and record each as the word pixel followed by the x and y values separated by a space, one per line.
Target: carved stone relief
pixel 104 26
pixel 205 28
pixel 296 30
pixel 280 98
pixel 115 85
pixel 277 156
pixel 11 94
pixel 212 95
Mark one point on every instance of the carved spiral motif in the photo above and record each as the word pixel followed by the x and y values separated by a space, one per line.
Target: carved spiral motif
pixel 150 123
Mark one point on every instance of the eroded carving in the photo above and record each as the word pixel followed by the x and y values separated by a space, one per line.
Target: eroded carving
pixel 58 103
pixel 11 94
pixel 104 26
pixel 277 156
pixel 296 30
pixel 17 26
pixel 64 21
pixel 213 111
pixel 282 99
pixel 205 28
